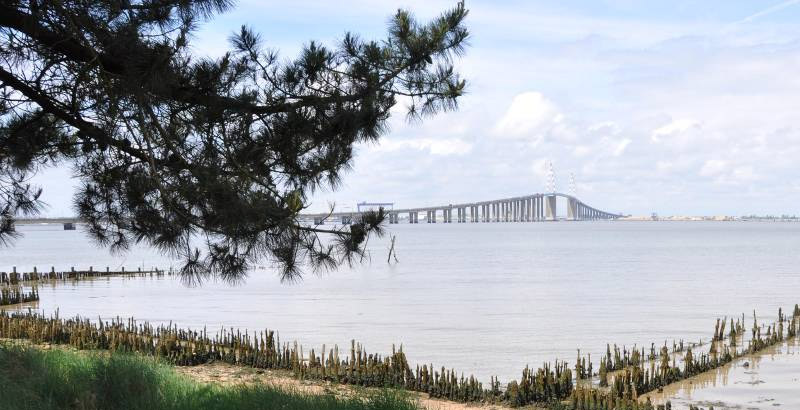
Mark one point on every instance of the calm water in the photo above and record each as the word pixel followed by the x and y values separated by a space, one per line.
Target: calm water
pixel 482 298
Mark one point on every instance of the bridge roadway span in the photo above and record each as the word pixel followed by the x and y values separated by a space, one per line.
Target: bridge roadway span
pixel 529 208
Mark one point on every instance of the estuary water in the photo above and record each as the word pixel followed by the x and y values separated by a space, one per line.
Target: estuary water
pixel 485 299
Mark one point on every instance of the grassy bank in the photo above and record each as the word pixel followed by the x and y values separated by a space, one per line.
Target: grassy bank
pixel 55 379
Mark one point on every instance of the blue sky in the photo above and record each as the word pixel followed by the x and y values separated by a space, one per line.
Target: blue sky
pixel 675 107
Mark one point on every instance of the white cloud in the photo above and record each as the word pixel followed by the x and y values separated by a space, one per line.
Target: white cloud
pixel 582 150
pixel 620 148
pixel 607 127
pixel 744 174
pixel 435 146
pixel 530 115
pixel 673 128
pixel 713 168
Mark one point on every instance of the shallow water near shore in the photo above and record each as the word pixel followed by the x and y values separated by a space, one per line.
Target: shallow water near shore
pixel 767 380
pixel 484 299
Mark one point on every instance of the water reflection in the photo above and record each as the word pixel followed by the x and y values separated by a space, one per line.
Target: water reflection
pixel 768 380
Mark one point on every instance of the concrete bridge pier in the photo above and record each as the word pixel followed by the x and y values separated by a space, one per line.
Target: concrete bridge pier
pixel 550 205
pixel 527 202
pixel 541 207
pixel 513 216
pixel 530 210
pixel 572 209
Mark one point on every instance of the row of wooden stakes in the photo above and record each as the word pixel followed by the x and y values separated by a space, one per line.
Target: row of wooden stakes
pixel 265 350
pixel 646 374
pixel 16 278
pixel 548 384
pixel 12 295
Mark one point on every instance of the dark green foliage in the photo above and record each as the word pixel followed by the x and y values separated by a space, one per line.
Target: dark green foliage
pixel 31 379
pixel 210 160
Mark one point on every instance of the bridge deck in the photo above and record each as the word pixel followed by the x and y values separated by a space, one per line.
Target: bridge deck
pixel 537 206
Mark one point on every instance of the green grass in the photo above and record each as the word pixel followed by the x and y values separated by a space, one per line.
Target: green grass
pixel 36 379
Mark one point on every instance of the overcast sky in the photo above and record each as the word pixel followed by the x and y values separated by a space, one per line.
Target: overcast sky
pixel 675 107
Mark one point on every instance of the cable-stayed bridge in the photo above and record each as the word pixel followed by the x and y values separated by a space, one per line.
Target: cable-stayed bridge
pixel 527 208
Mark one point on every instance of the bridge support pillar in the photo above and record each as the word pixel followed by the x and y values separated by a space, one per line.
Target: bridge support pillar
pixel 550 205
pixel 516 210
pixel 513 211
pixel 527 202
pixel 572 209
pixel 541 207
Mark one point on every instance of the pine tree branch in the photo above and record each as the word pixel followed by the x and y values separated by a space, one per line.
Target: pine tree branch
pixel 29 25
pixel 76 121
